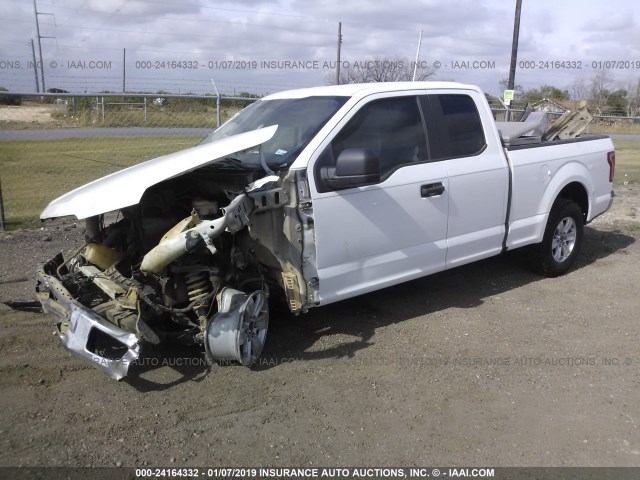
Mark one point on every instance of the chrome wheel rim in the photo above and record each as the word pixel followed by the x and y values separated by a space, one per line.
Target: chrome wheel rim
pixel 238 331
pixel 564 239
pixel 253 331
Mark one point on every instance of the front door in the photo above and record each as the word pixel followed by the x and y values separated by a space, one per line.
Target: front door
pixel 373 236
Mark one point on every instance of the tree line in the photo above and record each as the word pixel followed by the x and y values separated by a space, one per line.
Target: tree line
pixel 603 95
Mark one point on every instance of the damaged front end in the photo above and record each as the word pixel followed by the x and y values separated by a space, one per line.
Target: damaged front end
pixel 82 330
pixel 203 238
pixel 205 279
pixel 194 262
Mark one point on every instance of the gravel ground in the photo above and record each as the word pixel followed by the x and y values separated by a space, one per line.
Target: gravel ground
pixel 487 364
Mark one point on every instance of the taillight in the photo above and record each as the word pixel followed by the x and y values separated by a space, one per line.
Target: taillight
pixel 611 159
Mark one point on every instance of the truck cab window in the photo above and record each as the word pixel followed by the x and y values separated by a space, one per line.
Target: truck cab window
pixel 391 128
pixel 460 129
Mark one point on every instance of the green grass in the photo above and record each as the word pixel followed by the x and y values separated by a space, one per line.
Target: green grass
pixel 627 161
pixel 619 128
pixel 135 117
pixel 178 115
pixel 204 117
pixel 32 173
pixel 631 227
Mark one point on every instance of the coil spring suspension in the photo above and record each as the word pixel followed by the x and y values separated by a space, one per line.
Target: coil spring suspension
pixel 198 287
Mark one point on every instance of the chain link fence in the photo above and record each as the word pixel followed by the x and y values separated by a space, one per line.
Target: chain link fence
pixel 50 144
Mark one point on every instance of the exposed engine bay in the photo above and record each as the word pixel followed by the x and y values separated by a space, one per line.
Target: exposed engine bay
pixel 196 261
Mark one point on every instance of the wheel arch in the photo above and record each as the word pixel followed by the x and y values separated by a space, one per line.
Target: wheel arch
pixel 576 192
pixel 563 236
pixel 571 181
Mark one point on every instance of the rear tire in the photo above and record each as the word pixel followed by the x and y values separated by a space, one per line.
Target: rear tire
pixel 561 242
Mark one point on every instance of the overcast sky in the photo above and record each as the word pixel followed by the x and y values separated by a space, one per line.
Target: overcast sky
pixel 203 36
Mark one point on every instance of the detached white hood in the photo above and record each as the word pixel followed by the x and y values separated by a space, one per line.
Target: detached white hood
pixel 125 188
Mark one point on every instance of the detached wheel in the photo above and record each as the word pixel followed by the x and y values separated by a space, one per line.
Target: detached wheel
pixel 238 331
pixel 562 240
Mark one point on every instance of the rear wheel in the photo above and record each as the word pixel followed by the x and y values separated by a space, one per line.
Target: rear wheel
pixel 562 240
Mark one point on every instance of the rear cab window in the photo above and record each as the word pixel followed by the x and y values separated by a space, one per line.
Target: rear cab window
pixel 454 126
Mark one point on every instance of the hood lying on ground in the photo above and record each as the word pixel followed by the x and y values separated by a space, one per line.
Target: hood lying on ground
pixel 126 187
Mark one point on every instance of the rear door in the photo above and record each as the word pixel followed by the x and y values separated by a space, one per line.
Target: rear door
pixel 373 236
pixel 460 138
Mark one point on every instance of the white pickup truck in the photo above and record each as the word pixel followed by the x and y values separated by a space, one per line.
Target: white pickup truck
pixel 314 196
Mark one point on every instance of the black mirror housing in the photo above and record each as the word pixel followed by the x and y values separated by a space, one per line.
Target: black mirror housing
pixel 355 167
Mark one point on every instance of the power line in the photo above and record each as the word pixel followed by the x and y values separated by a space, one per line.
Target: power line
pixel 199 35
pixel 278 14
pixel 37 14
pixel 195 20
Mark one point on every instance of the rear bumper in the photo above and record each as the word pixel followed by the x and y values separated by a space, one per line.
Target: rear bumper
pixel 81 330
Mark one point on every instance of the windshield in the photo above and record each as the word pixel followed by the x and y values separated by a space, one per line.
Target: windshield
pixel 298 120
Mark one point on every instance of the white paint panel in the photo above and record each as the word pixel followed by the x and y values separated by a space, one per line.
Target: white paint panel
pixel 371 237
pixel 126 187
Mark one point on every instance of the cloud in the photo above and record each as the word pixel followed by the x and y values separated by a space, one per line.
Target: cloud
pixel 257 30
pixel 607 22
pixel 141 7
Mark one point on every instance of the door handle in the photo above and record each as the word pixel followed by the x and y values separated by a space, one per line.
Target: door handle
pixel 431 190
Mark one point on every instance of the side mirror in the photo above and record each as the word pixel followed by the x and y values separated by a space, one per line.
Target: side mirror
pixel 355 167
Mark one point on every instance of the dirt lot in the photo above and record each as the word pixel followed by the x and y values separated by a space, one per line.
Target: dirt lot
pixel 37 114
pixel 485 365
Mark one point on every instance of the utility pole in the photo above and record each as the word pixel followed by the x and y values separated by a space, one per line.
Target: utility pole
pixel 124 68
pixel 35 66
pixel 2 222
pixel 514 50
pixel 339 45
pixel 35 10
pixel 415 64
pixel 218 116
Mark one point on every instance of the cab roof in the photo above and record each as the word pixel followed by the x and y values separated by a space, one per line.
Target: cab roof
pixel 361 89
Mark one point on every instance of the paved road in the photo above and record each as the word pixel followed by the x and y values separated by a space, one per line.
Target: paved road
pixel 60 133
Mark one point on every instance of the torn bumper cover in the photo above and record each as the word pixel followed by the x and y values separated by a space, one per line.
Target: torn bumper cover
pixel 83 331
